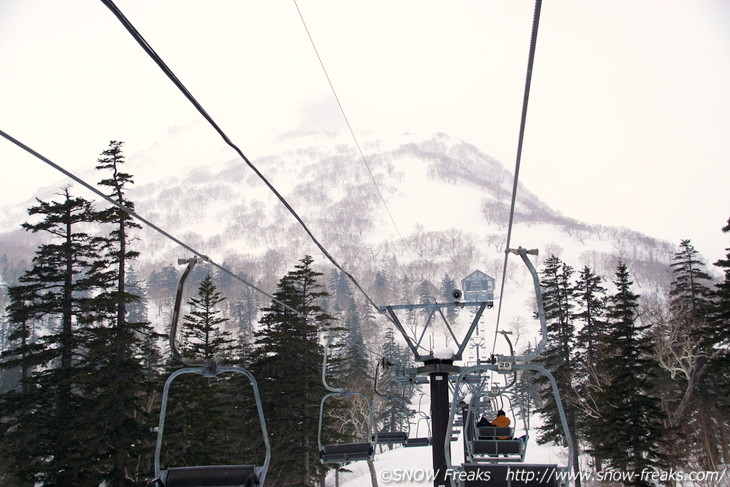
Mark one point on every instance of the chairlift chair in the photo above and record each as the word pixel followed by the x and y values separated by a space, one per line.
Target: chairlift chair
pixel 210 475
pixel 344 452
pixel 244 475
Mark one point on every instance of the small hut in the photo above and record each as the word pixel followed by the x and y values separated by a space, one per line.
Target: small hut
pixel 478 286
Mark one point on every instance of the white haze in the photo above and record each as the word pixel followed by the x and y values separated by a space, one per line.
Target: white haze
pixel 628 114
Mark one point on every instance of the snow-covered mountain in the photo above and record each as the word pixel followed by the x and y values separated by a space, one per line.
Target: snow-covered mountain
pixel 449 202
pixel 420 207
pixel 416 206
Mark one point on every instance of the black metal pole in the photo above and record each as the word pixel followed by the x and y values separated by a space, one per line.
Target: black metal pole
pixel 439 421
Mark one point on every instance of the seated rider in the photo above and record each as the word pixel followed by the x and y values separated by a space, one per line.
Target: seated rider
pixel 483 421
pixel 501 421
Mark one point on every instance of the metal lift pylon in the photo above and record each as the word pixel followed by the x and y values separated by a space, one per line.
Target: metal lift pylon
pixel 438 369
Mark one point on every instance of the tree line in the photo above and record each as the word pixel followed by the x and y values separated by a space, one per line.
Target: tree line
pixel 83 367
pixel 644 382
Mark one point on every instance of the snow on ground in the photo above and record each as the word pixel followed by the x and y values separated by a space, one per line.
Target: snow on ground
pixel 389 465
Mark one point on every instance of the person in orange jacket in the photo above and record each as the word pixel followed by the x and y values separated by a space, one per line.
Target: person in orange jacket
pixel 501 421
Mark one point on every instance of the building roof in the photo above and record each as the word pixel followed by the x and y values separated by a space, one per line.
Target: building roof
pixel 478 275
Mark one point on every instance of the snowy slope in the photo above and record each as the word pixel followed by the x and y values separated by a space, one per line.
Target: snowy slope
pixel 449 203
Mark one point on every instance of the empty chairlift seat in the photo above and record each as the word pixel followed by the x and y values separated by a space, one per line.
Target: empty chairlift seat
pixel 401 438
pixel 346 452
pixel 391 437
pixel 420 441
pixel 243 475
pixel 210 476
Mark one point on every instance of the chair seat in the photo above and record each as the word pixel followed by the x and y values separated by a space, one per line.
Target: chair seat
pixel 391 437
pixel 346 452
pixel 211 476
pixel 412 442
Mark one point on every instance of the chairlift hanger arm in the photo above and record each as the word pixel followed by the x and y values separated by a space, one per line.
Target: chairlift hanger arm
pixel 176 310
pixel 343 453
pixel 540 308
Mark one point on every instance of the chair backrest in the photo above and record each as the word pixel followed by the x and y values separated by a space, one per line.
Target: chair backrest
pixel 504 432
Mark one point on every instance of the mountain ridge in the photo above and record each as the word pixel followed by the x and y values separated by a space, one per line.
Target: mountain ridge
pixel 449 200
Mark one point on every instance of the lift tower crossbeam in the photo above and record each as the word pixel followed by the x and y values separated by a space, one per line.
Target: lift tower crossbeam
pixel 438 370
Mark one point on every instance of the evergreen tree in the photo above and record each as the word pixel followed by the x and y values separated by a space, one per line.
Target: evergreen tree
pixel 116 381
pixel 45 418
pixel 689 294
pixel 202 334
pixel 392 413
pixel 204 413
pixel 718 367
pixel 558 301
pixel 688 335
pixel 630 411
pixel 243 314
pixel 721 312
pixel 447 288
pixel 381 287
pixel 16 400
pixel 137 308
pixel 591 315
pixel 683 341
pixel 355 366
pixel 287 364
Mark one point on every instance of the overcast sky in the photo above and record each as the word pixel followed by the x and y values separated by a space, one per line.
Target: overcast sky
pixel 629 118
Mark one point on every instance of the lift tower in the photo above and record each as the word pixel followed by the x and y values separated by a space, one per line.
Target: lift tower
pixel 438 367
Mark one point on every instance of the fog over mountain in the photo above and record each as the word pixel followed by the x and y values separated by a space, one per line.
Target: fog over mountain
pixel 449 201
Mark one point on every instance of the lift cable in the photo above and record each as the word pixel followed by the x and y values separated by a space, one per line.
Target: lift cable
pixel 528 80
pixel 159 230
pixel 158 60
pixel 352 132
pixel 142 219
